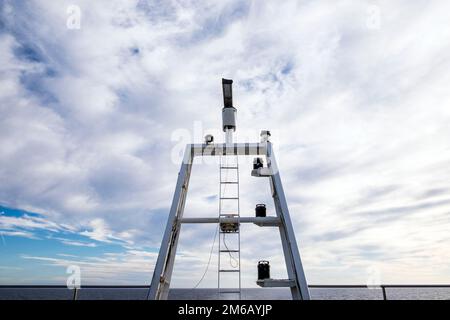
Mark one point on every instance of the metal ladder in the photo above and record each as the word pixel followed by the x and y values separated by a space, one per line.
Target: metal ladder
pixel 229 208
pixel 162 274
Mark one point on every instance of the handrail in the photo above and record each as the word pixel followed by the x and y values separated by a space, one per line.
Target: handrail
pixel 383 287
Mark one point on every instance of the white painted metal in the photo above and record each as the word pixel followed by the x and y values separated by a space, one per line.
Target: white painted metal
pixel 291 253
pixel 241 149
pixel 259 221
pixel 272 283
pixel 164 265
pixel 228 136
pixel 162 274
pixel 262 172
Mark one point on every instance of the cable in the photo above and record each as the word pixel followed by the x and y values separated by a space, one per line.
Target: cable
pixel 209 259
pixel 231 256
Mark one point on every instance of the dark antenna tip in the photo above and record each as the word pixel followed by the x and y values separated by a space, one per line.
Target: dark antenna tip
pixel 227 86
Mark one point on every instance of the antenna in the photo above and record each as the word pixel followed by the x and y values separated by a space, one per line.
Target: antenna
pixel 227 86
pixel 228 111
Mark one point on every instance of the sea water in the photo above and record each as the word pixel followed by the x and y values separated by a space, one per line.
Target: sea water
pixel 211 294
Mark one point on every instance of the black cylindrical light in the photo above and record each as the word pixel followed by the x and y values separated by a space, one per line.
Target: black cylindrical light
pixel 263 270
pixel 260 210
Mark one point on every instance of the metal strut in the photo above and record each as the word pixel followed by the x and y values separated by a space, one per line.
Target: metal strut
pixel 160 285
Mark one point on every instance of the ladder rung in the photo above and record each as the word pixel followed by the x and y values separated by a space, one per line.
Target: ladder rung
pixel 229 270
pixel 226 167
pixel 229 291
pixel 229 250
pixel 228 198
pixel 229 182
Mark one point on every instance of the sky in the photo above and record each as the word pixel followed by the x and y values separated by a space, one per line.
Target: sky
pixel 98 98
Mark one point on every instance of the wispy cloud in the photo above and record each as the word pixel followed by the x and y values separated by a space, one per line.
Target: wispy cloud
pixel 30 223
pixel 130 267
pixel 37 227
pixel 70 242
pixel 101 232
pixel 24 234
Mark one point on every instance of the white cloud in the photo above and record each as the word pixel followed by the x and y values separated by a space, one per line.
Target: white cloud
pixel 29 223
pixel 71 242
pixel 101 232
pixel 23 234
pixel 130 267
pixel 33 226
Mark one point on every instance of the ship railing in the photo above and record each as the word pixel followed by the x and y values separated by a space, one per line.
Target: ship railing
pixel 382 287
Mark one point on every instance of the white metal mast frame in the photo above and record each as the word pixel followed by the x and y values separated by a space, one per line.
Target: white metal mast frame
pixel 159 289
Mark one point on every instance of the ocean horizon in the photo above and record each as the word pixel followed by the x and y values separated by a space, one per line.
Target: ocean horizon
pixel 212 294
